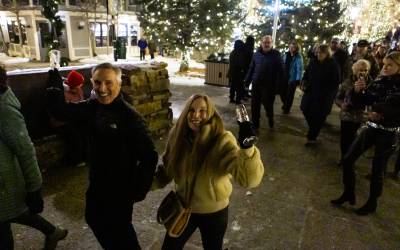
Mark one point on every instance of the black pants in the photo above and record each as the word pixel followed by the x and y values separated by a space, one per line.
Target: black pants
pixel 142 54
pixel 348 132
pixel 212 229
pixel 383 142
pixel 151 55
pixel 236 90
pixel 315 122
pixel 291 90
pixel 32 220
pixel 75 143
pixel 267 99
pixel 111 223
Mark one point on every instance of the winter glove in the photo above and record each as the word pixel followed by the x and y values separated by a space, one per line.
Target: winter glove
pixel 55 80
pixel 245 131
pixel 34 201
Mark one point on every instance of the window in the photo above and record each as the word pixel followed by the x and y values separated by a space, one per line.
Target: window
pixel 100 33
pixel 133 35
pixel 38 2
pixel 13 32
pixel 122 30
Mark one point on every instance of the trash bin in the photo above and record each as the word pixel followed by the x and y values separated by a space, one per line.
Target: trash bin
pixel 217 71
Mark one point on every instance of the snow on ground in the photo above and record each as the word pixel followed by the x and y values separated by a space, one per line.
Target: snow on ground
pixel 189 81
pixel 173 66
pixel 5 59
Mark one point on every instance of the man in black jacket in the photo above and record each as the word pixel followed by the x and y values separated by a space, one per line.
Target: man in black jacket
pixel 265 71
pixel 122 157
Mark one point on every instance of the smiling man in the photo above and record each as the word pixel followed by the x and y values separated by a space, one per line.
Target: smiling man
pixel 122 157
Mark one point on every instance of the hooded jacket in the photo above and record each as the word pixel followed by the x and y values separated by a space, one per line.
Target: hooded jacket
pixel 213 186
pixel 19 170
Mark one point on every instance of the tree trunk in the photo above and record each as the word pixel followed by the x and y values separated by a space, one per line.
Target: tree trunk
pixel 20 32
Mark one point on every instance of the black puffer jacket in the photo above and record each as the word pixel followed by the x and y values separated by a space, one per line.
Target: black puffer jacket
pixel 384 97
pixel 266 70
pixel 122 156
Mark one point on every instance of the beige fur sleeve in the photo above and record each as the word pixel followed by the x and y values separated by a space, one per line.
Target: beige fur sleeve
pixel 244 165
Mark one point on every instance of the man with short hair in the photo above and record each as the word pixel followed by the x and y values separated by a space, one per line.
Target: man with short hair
pixel 20 179
pixel 265 72
pixel 363 53
pixel 122 156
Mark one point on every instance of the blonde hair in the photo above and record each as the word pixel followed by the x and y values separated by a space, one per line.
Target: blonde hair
pixel 357 65
pixel 394 56
pixel 182 141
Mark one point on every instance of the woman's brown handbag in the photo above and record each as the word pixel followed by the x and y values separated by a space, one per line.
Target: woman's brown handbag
pixel 173 214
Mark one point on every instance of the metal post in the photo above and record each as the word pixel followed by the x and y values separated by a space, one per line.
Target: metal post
pixel 276 18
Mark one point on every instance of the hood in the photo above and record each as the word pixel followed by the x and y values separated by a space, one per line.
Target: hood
pixel 9 99
pixel 239 45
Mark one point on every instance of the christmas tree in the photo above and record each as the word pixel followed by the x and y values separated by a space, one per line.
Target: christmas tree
pixel 309 22
pixel 370 19
pixel 50 8
pixel 184 25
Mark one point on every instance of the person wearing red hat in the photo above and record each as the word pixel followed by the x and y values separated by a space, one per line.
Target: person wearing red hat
pixel 73 87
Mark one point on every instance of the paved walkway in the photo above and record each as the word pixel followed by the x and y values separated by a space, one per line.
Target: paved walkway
pixel 290 209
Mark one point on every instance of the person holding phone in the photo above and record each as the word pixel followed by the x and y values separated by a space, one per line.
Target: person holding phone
pixel 351 116
pixel 383 96
pixel 200 132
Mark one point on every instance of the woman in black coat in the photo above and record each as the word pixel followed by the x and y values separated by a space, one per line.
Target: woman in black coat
pixel 320 84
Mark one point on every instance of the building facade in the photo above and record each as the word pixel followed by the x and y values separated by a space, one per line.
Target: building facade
pixel 88 29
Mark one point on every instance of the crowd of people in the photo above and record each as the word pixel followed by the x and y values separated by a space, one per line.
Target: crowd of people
pixel 122 158
pixel 365 85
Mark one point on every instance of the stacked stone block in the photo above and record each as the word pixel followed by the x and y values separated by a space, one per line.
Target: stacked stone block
pixel 146 87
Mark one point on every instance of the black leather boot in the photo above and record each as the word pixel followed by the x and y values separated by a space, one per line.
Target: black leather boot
pixel 345 197
pixel 368 208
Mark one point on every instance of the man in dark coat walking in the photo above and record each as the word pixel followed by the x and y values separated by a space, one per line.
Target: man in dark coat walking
pixel 122 157
pixel 265 71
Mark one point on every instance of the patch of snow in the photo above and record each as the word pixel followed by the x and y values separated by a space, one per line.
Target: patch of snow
pixel 187 81
pixel 5 59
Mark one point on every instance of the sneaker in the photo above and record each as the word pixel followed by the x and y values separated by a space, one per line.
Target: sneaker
pixel 52 239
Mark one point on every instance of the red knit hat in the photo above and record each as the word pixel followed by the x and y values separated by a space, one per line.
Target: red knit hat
pixel 74 79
